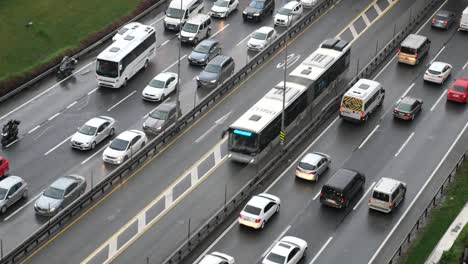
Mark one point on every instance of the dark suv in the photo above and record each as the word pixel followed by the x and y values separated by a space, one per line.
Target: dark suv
pixel 342 187
pixel 258 9
pixel 216 72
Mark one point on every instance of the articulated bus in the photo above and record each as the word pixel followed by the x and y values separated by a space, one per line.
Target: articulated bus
pixel 126 56
pixel 257 130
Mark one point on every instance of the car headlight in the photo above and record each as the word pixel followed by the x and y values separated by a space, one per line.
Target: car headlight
pixel 198 78
pixel 52 209
pixel 85 143
pixel 144 125
pixel 212 81
pixel 243 12
pixel 256 14
pixel 191 38
pixel 159 128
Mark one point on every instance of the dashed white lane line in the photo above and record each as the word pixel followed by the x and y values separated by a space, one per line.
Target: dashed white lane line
pixel 22 207
pixel 368 136
pixel 58 145
pixel 321 250
pixel 404 144
pixel 437 55
pixel 72 104
pixel 54 116
pixel 364 196
pixel 158 20
pixel 119 102
pixel 240 42
pixel 466 64
pixel 407 90
pixel 217 32
pixel 164 43
pixel 438 100
pixel 276 240
pixel 316 196
pixel 94 154
pixel 173 64
pixel 92 91
pixel 34 129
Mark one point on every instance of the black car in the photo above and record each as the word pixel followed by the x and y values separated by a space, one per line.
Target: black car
pixel 443 19
pixel 258 9
pixel 204 52
pixel 342 187
pixel 407 108
pixel 216 72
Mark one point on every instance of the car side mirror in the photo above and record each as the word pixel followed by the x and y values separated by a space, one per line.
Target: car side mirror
pixel 98 133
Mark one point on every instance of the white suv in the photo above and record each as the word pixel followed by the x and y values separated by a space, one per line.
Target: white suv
pixel 288 14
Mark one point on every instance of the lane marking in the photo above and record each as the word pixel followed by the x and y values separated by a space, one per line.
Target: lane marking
pixel 173 64
pixel 364 196
pixel 141 222
pixel 366 19
pixel 276 241
pixel 392 106
pixel 404 144
pixel 34 129
pixel 353 31
pixel 317 195
pixel 437 55
pixel 92 91
pixel 240 42
pixel 194 176
pixel 438 100
pixel 165 42
pixel 94 154
pixel 58 145
pixel 54 116
pixel 157 20
pixel 22 207
pixel 119 102
pixel 407 90
pixel 216 33
pixel 112 247
pixel 417 195
pixel 217 154
pixel 368 136
pixel 464 66
pixel 356 18
pixel 377 8
pixel 321 250
pixel 169 197
pixel 72 104
pixel 389 1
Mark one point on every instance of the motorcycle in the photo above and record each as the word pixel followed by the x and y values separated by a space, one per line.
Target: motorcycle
pixel 10 132
pixel 66 68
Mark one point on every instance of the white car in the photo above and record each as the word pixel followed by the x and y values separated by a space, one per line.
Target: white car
pixel 438 72
pixel 123 31
pixel 261 38
pixel 312 166
pixel 289 13
pixel 124 146
pixel 160 86
pixel 93 132
pixel 289 250
pixel 217 258
pixel 308 3
pixel 259 210
pixel 222 8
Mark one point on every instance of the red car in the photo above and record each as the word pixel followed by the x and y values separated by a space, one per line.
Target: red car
pixel 458 91
pixel 4 167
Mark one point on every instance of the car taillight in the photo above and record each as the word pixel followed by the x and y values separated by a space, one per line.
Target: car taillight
pixel 440 76
pixel 341 108
pixel 395 110
pixel 434 20
pixel 321 194
pixel 257 220
pixel 361 114
pixel 240 216
pixel 416 55
pixel 390 205
pixel 407 114
pixel 311 172
pixel 342 200
pixel 445 22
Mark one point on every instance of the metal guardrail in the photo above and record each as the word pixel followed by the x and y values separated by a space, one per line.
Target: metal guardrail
pixel 55 224
pixel 83 52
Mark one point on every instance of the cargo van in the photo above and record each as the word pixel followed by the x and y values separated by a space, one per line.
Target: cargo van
pixel 342 187
pixel 464 20
pixel 413 49
pixel 387 194
pixel 179 11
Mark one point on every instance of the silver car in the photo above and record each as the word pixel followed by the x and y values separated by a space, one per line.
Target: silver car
pixel 59 194
pixel 312 166
pixel 12 189
pixel 93 132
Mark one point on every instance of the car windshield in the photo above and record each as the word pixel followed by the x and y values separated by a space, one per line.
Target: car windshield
pixel 439 17
pixel 259 35
pixel 434 72
pixel 405 107
pixel 222 3
pixel 257 4
pixel 284 11
pixel 119 144
pixel 175 13
pixel 156 83
pixel 212 68
pixel 156 114
pixel 107 68
pixel 202 49
pixel 243 142
pixel 458 88
pixel 54 193
pixel 191 28
pixel 3 193
pixel 252 210
pixel 407 50
pixel 307 166
pixel 275 258
pixel 87 130
pixel 381 196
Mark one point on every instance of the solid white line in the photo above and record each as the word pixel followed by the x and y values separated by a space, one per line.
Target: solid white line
pixel 94 90
pixel 438 100
pixel 54 116
pixel 240 42
pixel 44 92
pixel 14 141
pixel 368 136
pixel 466 64
pixel 437 55
pixel 276 240
pixel 172 65
pixel 58 145
pixel 72 104
pixel 417 195
pixel 215 242
pixel 22 207
pixel 404 144
pixel 164 43
pixel 385 67
pixel 159 19
pixel 220 30
pixel 364 196
pixel 430 18
pixel 407 90
pixel 316 196
pixel 94 154
pixel 119 102
pixel 34 129
pixel 321 250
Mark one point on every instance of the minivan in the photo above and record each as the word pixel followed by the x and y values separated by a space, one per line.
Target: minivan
pixel 343 186
pixel 216 72
pixel 196 29
pixel 387 194
pixel 161 118
pixel 179 11
pixel 413 49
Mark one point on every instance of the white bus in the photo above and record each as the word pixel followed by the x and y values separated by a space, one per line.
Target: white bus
pixel 257 131
pixel 126 56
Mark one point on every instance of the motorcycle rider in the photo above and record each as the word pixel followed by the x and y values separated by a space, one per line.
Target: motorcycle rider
pixel 67 66
pixel 10 131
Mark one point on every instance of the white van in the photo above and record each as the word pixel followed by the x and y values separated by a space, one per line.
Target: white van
pixel 464 20
pixel 196 29
pixel 362 100
pixel 387 194
pixel 179 11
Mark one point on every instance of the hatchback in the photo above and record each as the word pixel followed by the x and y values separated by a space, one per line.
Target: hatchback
pixel 443 19
pixel 312 166
pixel 4 167
pixel 93 132
pixel 204 52
pixel 216 72
pixel 438 72
pixel 217 258
pixel 160 86
pixel 407 108
pixel 12 189
pixel 289 250
pixel 259 210
pixel 458 91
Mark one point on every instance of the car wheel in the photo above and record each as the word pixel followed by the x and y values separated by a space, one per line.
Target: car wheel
pixel 111 132
pixel 25 194
pixel 125 158
pixel 263 225
pixel 124 83
pixel 278 208
pixel 93 145
pixel 412 117
pixel 146 64
pixel 3 210
pixel 305 252
pixel 195 41
pixel 347 204
pixel 162 97
pixel 208 32
pixel 381 101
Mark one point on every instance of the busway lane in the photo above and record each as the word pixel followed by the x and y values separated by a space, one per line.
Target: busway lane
pixel 232 108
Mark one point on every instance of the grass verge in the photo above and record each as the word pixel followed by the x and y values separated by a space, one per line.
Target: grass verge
pixel 453 255
pixel 440 219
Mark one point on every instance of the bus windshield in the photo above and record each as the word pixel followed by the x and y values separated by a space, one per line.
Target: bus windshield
pixel 175 13
pixel 243 143
pixel 107 68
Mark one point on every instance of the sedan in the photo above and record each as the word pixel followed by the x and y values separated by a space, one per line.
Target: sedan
pixel 217 258
pixel 407 108
pixel 93 132
pixel 60 194
pixel 12 189
pixel 160 86
pixel 312 166
pixel 261 38
pixel 222 8
pixel 4 167
pixel 289 250
pixel 259 210
pixel 443 19
pixel 204 52
pixel 438 72
pixel 124 146
pixel 458 91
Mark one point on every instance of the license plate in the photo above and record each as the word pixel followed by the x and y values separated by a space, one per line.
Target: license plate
pixel 331 201
pixel 249 16
pixel 456 95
